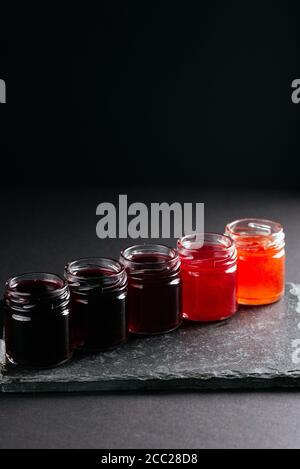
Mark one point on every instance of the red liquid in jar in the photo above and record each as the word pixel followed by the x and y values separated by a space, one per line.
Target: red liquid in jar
pixel 154 295
pixel 209 284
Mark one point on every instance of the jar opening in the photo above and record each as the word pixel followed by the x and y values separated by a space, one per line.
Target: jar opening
pixel 94 268
pixel 149 256
pixel 95 272
pixel 197 241
pixel 206 250
pixel 256 233
pixel 36 285
pixel 205 246
pixel 253 227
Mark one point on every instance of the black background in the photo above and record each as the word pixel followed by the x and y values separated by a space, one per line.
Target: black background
pixel 153 93
pixel 193 94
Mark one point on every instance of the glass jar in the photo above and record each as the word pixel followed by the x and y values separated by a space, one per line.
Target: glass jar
pixel 261 260
pixel 208 271
pixel 36 320
pixel 154 288
pixel 98 288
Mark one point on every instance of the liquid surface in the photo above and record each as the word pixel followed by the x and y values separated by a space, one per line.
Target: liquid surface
pixel 36 287
pixel 151 258
pixel 94 272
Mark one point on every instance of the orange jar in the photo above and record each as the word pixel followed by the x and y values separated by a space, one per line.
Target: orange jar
pixel 261 260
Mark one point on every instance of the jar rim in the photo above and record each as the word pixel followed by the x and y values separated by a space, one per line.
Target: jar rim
pixel 150 248
pixel 115 268
pixel 61 284
pixel 224 242
pixel 253 227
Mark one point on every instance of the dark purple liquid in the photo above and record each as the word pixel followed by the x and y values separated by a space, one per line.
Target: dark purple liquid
pixel 98 317
pixel 150 258
pixel 39 338
pixel 36 288
pixel 154 303
pixel 95 273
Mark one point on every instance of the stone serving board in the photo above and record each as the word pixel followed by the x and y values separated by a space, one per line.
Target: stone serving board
pixel 258 348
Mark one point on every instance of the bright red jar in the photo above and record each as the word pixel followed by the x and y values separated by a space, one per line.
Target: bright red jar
pixel 209 276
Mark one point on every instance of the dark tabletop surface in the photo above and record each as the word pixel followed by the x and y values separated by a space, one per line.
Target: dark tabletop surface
pixel 44 228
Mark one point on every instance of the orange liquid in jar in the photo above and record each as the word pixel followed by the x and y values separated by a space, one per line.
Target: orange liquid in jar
pixel 261 260
pixel 261 275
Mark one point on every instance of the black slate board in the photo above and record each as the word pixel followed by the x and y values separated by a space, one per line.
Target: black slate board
pixel 257 348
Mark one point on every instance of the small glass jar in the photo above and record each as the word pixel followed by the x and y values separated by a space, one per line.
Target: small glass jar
pixel 154 288
pixel 208 271
pixel 36 320
pixel 261 260
pixel 98 288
